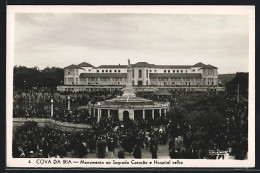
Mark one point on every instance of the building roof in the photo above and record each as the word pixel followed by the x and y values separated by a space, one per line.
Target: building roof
pixel 73 66
pixel 79 66
pixel 175 75
pixel 97 75
pixel 209 67
pixel 84 64
pixel 199 65
pixel 112 66
pixel 143 64
pixel 173 66
pixel 162 92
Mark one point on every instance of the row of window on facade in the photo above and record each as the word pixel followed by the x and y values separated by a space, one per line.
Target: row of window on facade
pixel 76 72
pixel 177 71
pixel 102 79
pixel 176 83
pixel 103 71
pixel 176 79
pixel 210 72
pixel 140 72
pixel 121 79
pixel 109 71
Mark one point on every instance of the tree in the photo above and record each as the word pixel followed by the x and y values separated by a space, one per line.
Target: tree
pixel 32 77
pixel 241 79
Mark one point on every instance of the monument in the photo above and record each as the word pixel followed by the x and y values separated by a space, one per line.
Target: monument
pixel 128 105
pixel 128 90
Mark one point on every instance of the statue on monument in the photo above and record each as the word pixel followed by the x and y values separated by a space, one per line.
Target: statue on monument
pixel 128 61
pixel 128 90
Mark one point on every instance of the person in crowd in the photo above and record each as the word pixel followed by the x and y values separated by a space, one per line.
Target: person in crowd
pixel 121 154
pixel 111 148
pixel 153 151
pixel 137 152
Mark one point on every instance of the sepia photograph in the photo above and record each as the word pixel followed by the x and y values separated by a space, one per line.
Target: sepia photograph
pixel 130 86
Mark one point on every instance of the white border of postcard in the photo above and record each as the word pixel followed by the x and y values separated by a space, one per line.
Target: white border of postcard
pixel 108 163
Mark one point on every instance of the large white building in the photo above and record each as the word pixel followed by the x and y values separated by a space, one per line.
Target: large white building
pixel 143 74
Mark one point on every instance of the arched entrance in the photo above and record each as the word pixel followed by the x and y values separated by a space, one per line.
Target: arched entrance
pixel 125 115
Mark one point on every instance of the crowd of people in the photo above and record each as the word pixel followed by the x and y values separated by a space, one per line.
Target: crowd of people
pixel 185 135
pixel 31 140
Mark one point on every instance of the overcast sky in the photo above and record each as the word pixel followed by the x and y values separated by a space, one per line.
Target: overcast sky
pixel 99 39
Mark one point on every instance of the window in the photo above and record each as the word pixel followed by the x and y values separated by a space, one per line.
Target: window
pixel 177 71
pixel 140 73
pixel 186 71
pixel 150 71
pixel 89 69
pixel 110 71
pixel 193 70
pixel 154 71
pixel 102 71
pixel 173 71
pixel 146 73
pixel 97 71
pixel 168 71
pixel 70 79
pixel 133 73
pixel 68 72
pixel 164 71
pixel 119 71
pixel 115 71
pixel 106 71
pixel 181 71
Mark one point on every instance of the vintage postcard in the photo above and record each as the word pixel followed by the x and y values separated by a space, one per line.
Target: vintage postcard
pixel 130 86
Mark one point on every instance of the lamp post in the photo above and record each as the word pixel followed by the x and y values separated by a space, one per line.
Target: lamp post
pixel 24 86
pixel 51 108
pixel 68 103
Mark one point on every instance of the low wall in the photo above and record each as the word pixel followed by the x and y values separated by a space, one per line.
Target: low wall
pixel 55 124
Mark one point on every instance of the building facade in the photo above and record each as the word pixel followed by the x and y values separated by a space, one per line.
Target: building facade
pixel 143 74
